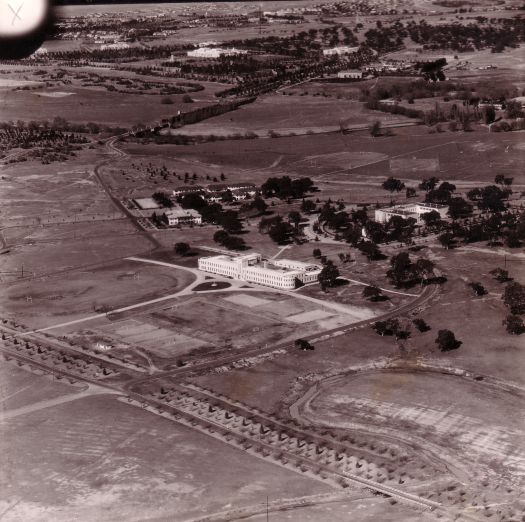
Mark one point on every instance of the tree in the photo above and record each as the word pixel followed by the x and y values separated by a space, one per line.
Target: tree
pixel 220 236
pixel 421 325
pixel 187 99
pixel 259 204
pixel 446 341
pixel 458 208
pixel 316 252
pixel 429 184
pixel 489 114
pixel 162 199
pixel 303 344
pixel 375 129
pixel 373 293
pixel 441 194
pixel 182 248
pixel 393 185
pixel 501 275
pixel 370 250
pixel 513 109
pixel 230 221
pixel 388 327
pixel 514 324
pixel 446 240
pixel 431 218
pixel 410 192
pixel 328 275
pixel 280 232
pixel 295 218
pixel 514 298
pixel 478 288
pixel 499 179
pixel 491 198
pixel 308 206
pixel 227 196
pixel 400 271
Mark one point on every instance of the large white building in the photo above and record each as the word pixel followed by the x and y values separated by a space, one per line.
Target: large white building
pixel 283 273
pixel 342 49
pixel 353 74
pixel 214 52
pixel 410 210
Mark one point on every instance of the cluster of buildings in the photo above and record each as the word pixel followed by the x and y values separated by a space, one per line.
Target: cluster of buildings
pixel 284 274
pixel 340 50
pixel 214 192
pixel 214 52
pixel 172 217
pixel 410 210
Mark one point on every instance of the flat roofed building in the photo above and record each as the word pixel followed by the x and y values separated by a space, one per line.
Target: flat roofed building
pixel 252 268
pixel 179 216
pixel 342 49
pixel 410 210
pixel 186 189
pixel 214 52
pixel 354 74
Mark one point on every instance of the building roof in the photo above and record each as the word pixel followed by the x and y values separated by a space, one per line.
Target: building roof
pixel 188 188
pixel 241 185
pixel 181 212
pixel 217 187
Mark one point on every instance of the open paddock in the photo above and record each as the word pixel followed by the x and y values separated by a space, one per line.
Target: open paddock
pixel 290 114
pixel 56 299
pixel 20 388
pixel 471 157
pixel 97 105
pixel 97 458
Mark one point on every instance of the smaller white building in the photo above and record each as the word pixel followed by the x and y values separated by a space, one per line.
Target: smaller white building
pixel 351 74
pixel 410 210
pixel 340 50
pixel 179 216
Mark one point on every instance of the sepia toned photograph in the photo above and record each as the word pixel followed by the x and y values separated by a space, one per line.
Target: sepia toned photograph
pixel 262 261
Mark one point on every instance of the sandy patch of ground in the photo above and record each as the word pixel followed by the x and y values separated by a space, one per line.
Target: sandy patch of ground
pixel 249 301
pixel 55 94
pixel 414 164
pixel 307 317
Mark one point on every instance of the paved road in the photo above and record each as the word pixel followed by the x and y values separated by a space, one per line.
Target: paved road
pixel 110 144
